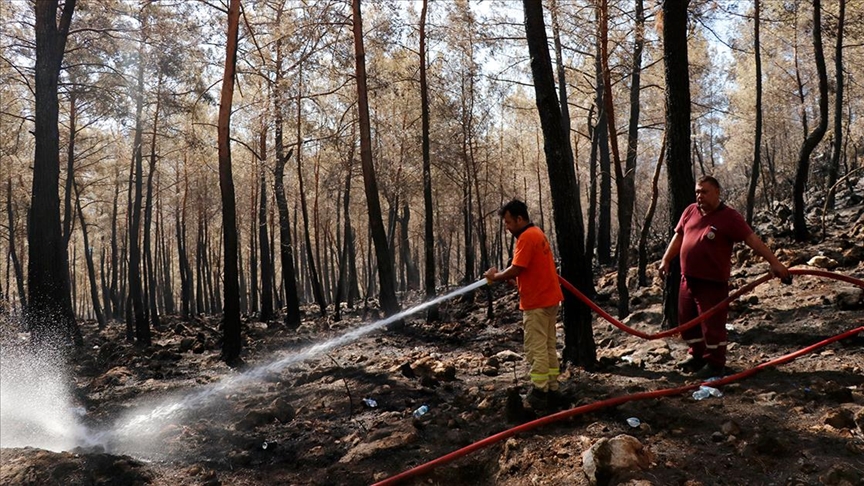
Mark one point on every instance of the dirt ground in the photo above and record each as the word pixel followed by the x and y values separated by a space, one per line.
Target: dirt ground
pixel 280 420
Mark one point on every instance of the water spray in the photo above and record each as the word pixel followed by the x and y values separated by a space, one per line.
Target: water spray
pixel 134 433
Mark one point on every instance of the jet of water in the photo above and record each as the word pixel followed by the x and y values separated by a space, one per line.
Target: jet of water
pixel 137 431
pixel 35 403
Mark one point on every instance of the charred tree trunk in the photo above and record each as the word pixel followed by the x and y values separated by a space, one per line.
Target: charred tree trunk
pixel 320 264
pixel 428 223
pixel 413 273
pixel 679 170
pixel 286 249
pixel 113 292
pixel 68 212
pixel 591 236
pixel 649 218
pixel 342 284
pixel 757 139
pixel 342 287
pixel 386 275
pixel 49 312
pixel 625 177
pixel 467 228
pixel 274 285
pixel 837 151
pixel 264 241
pixel 149 269
pixel 315 280
pixel 167 277
pixel 353 280
pixel 231 341
pixel 13 252
pixel 141 325
pixel 579 347
pixel 186 297
pixel 201 292
pixel 799 223
pixel 253 254
pixel 91 268
pixel 604 221
pixel 103 280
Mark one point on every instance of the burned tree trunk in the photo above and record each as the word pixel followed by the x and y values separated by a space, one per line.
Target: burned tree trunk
pixel 231 340
pixel 49 312
pixel 799 223
pixel 428 226
pixel 679 171
pixel 88 255
pixel 386 275
pixel 579 347
pixel 264 243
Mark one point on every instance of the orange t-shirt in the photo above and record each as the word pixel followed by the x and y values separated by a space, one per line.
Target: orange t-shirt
pixel 538 282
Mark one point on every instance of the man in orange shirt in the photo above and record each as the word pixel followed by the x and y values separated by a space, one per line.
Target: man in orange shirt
pixel 539 298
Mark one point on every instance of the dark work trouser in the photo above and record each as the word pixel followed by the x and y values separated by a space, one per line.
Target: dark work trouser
pixel 707 340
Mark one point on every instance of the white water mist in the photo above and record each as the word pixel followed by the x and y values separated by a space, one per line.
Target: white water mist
pixel 137 433
pixel 36 406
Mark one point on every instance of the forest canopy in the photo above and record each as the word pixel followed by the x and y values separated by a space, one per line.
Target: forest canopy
pixel 138 101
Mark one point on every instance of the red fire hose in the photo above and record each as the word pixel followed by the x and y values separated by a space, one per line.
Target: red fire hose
pixel 423 468
pixel 710 312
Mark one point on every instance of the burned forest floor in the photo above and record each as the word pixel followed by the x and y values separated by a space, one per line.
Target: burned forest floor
pixel 174 414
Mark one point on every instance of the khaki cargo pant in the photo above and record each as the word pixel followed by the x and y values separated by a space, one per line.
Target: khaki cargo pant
pixel 540 340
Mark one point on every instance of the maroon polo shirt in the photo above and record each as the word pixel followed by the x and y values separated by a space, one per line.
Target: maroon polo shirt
pixel 706 251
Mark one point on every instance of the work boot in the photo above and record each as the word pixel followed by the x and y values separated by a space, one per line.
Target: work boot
pixel 709 371
pixel 538 400
pixel 691 364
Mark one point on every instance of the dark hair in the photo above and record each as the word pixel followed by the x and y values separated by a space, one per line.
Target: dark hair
pixel 516 208
pixel 709 179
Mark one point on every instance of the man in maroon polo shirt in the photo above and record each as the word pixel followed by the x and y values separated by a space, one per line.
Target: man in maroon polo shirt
pixel 704 238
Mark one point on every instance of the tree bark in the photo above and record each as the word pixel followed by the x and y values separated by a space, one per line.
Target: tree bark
pixel 286 249
pixel 604 221
pixel 627 190
pixel 149 270
pixel 757 139
pixel 50 317
pixel 679 170
pixel 88 254
pixel 579 347
pixel 799 223
pixel 68 212
pixel 13 252
pixel 253 254
pixel 594 132
pixel 343 281
pixel 386 275
pixel 231 341
pixel 432 314
pixel 837 151
pixel 412 274
pixel 649 217
pixel 315 280
pixel 166 282
pixel 264 241
pixel 624 177
pixel 113 291
pixel 200 268
pixel 103 280
pixel 467 217
pixel 186 282
pixel 140 324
